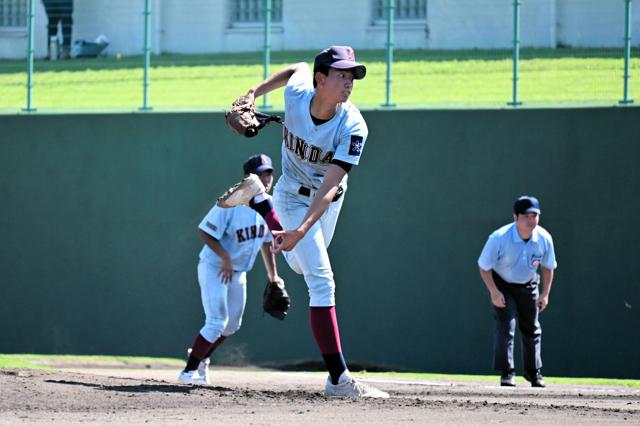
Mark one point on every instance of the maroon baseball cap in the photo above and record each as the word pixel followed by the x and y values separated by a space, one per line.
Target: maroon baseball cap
pixel 342 58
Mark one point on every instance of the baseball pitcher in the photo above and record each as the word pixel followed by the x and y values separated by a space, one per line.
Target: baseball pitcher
pixel 323 139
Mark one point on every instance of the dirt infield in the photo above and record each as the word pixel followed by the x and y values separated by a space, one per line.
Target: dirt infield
pixel 261 397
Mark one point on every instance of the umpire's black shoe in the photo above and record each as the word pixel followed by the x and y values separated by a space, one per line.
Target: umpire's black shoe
pixel 508 378
pixel 536 379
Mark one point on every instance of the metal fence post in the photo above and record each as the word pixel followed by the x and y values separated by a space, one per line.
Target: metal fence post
pixel 516 51
pixel 31 16
pixel 390 7
pixel 627 52
pixel 267 48
pixel 147 56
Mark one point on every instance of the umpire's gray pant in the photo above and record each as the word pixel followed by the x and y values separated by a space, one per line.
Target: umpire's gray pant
pixel 520 300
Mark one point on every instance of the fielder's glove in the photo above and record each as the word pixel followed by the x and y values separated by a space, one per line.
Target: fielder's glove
pixel 245 120
pixel 275 300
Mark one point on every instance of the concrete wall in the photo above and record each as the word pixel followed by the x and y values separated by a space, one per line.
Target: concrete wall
pixel 122 21
pixel 99 248
pixel 201 26
pixel 593 23
pixel 186 32
pixel 14 43
pixel 488 24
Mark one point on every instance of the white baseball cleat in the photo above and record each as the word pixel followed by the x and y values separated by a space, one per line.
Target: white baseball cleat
pixel 242 192
pixel 203 367
pixel 192 377
pixel 352 388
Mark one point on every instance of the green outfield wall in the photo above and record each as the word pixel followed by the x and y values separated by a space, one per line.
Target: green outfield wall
pixel 99 249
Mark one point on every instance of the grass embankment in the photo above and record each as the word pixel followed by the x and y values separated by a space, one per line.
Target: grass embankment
pixel 421 78
pixel 36 361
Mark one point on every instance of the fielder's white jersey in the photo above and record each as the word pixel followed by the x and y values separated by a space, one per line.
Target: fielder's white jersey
pixel 307 149
pixel 241 232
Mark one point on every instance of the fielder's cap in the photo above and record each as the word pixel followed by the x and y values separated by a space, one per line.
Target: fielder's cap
pixel 526 204
pixel 340 57
pixel 257 164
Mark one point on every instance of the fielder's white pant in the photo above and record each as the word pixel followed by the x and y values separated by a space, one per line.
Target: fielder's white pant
pixel 309 257
pixel 223 303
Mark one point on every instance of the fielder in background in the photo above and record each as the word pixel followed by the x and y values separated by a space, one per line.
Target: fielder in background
pixel 323 138
pixel 232 238
pixel 509 265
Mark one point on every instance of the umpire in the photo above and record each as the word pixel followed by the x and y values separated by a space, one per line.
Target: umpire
pixel 509 265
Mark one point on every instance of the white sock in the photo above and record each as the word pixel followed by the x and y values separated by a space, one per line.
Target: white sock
pixel 261 197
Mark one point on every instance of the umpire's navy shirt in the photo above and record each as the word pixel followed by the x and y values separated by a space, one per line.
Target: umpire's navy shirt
pixel 514 259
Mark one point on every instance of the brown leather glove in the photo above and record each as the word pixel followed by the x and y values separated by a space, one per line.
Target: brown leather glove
pixel 245 120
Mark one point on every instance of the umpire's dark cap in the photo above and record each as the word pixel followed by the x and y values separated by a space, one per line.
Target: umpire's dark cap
pixel 257 164
pixel 526 204
pixel 340 57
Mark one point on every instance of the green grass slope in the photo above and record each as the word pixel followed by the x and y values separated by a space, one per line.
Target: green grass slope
pixel 420 78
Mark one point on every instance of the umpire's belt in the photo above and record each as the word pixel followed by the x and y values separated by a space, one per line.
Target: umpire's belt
pixel 500 281
pixel 306 192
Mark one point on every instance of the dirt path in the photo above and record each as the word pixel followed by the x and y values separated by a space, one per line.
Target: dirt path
pixel 261 397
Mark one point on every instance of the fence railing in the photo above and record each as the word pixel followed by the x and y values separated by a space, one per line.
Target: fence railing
pixel 384 9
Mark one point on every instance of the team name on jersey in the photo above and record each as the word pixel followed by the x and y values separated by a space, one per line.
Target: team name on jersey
pixel 250 233
pixel 305 151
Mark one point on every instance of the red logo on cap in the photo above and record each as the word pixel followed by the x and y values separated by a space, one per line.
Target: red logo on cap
pixel 352 55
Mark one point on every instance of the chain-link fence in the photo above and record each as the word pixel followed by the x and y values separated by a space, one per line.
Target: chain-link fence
pixel 170 54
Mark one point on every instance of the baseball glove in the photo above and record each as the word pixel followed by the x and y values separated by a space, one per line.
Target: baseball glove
pixel 245 120
pixel 275 300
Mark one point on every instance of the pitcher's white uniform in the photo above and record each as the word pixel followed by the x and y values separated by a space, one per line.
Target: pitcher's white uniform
pixel 241 232
pixel 307 152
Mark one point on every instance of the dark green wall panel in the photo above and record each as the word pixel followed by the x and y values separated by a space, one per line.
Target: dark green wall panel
pixel 98 217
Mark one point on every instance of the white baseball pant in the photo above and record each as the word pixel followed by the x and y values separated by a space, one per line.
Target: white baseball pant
pixel 223 303
pixel 309 257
